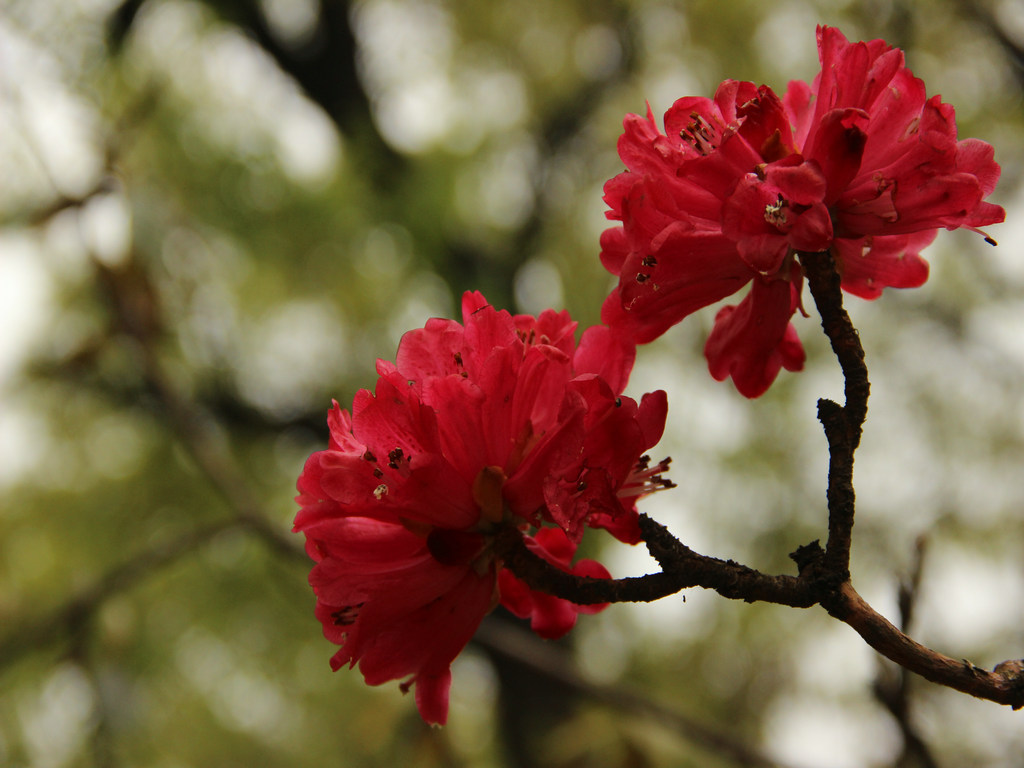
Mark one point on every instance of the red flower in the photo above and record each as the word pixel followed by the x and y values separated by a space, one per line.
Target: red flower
pixel 498 422
pixel 860 162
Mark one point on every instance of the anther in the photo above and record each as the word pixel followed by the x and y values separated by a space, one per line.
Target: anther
pixel 775 213
pixel 395 455
pixel 347 615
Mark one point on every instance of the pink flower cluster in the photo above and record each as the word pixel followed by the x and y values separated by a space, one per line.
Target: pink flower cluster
pixel 860 163
pixel 501 421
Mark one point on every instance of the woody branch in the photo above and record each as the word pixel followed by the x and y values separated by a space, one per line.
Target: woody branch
pixel 824 576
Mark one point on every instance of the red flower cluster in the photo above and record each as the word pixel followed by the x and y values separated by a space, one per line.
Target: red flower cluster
pixel 500 422
pixel 860 163
pixel 504 426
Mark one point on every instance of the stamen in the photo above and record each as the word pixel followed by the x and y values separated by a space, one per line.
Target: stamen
pixel 645 479
pixel 527 338
pixel 699 134
pixel 397 460
pixel 347 615
pixel 988 238
pixel 775 214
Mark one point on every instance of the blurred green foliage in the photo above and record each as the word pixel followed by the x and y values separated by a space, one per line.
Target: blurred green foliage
pixel 216 215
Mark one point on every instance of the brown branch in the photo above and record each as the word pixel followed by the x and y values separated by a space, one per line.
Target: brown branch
pixel 824 575
pixel 843 425
pixel 1003 685
pixel 682 568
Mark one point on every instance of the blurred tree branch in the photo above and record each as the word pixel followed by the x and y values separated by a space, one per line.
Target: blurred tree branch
pixel 136 314
pixel 74 615
pixel 1012 47
pixel 135 304
pixel 512 642
pixel 324 65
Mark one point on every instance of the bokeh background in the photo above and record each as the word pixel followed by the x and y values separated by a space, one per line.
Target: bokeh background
pixel 215 215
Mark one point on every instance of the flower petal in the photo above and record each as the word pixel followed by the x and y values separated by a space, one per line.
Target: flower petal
pixel 753 341
pixel 870 264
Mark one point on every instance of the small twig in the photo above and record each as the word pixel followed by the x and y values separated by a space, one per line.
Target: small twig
pixel 125 129
pixel 200 441
pixel 59 204
pixel 892 684
pixel 910 586
pixel 843 426
pixel 100 741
